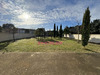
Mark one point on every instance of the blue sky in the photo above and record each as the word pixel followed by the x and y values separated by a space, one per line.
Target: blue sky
pixel 44 13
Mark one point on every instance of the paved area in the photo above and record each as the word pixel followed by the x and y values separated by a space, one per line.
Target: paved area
pixel 53 63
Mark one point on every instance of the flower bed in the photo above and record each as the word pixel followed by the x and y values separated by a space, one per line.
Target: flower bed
pixel 49 42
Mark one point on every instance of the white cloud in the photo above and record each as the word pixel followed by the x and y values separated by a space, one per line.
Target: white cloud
pixel 38 11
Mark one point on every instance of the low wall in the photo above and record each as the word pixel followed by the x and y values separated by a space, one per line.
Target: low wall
pixel 9 36
pixel 95 38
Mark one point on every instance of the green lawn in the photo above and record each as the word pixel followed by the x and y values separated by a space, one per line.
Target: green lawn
pixel 68 45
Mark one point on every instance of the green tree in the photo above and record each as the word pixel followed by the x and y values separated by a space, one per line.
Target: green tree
pixel 54 30
pixel 8 26
pixel 40 32
pixel 50 33
pixel 61 32
pixel 66 30
pixel 0 28
pixel 86 27
pixel 57 32
pixel 95 27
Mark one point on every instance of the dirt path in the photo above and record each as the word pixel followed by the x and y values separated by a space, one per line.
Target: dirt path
pixel 41 63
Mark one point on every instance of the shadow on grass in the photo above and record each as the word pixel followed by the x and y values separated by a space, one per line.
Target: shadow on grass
pixel 90 50
pixel 72 39
pixel 3 45
pixel 58 38
pixel 46 40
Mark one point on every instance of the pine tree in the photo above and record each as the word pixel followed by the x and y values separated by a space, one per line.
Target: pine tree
pixel 54 30
pixel 86 27
pixel 60 31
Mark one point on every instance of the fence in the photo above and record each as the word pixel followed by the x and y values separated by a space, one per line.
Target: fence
pixel 95 38
pixel 9 36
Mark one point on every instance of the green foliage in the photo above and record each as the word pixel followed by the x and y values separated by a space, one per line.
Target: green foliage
pixel 4 45
pixel 40 32
pixel 61 31
pixel 86 27
pixel 10 26
pixel 37 32
pixel 0 28
pixel 57 32
pixel 66 30
pixel 50 33
pixel 54 30
pixel 95 27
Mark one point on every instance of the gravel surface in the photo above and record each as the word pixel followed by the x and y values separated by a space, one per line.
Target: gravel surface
pixel 49 63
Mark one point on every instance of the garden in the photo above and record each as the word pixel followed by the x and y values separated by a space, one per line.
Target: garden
pixel 49 44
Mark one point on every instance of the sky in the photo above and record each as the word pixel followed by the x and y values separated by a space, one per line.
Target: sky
pixel 33 14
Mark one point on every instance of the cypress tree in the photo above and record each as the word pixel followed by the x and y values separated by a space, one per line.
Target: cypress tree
pixel 86 27
pixel 60 31
pixel 54 30
pixel 57 31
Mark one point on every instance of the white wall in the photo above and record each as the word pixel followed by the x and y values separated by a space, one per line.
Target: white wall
pixel 93 37
pixel 9 36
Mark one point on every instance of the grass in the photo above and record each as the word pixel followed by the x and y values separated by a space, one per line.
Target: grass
pixel 68 45
pixel 4 45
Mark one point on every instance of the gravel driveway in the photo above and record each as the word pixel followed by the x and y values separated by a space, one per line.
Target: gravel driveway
pixel 49 63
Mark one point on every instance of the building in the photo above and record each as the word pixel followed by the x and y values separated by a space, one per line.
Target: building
pixel 22 30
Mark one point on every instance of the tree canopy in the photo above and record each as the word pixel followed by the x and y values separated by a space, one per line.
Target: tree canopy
pixel 95 27
pixel 8 26
pixel 40 32
pixel 66 30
